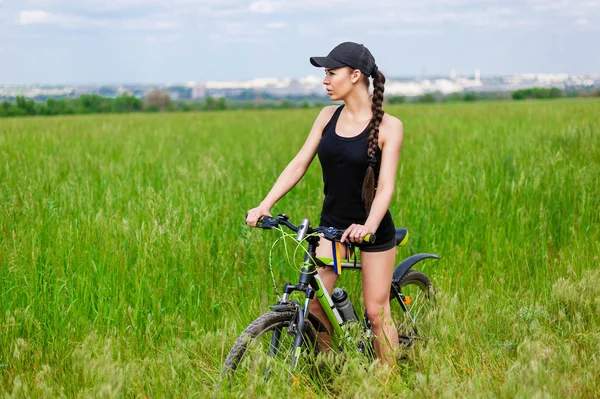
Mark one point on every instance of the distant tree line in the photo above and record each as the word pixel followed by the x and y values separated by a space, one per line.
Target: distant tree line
pixel 537 93
pixel 522 94
pixel 159 101
pixel 85 104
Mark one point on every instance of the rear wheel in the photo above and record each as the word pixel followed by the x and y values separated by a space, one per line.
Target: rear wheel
pixel 266 346
pixel 411 301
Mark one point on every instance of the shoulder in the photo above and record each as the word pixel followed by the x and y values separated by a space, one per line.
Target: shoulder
pixel 327 112
pixel 391 129
pixel 324 116
pixel 390 123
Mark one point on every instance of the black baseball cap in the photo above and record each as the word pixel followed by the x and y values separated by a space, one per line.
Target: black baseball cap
pixel 350 54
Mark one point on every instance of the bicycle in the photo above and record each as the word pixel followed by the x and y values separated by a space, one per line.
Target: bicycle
pixel 289 319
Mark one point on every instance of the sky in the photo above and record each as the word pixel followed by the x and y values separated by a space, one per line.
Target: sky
pixel 176 41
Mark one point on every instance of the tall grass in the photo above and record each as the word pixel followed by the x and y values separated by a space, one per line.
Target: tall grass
pixel 126 269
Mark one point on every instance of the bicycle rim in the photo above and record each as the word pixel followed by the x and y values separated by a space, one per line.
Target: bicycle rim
pixel 265 349
pixel 416 292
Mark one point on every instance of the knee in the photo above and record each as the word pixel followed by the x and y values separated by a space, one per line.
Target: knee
pixel 377 312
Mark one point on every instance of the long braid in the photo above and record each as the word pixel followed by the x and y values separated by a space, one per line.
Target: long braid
pixel 368 189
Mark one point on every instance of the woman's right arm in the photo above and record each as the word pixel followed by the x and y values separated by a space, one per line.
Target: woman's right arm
pixel 294 171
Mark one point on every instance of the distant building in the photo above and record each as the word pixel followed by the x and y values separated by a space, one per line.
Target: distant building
pixel 268 88
pixel 198 90
pixel 122 90
pixel 294 85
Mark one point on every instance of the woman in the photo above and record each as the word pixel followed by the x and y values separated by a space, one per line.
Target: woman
pixel 358 146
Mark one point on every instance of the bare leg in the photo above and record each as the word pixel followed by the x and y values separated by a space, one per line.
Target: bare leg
pixel 329 278
pixel 377 272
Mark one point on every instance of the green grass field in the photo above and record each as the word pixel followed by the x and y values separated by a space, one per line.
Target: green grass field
pixel 126 268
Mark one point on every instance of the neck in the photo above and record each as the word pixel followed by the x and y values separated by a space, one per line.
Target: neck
pixel 358 105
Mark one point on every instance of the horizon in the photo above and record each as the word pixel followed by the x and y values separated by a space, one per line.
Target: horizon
pixel 388 77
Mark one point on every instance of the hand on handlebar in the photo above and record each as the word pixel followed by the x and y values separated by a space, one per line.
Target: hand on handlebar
pixel 357 233
pixel 352 234
pixel 255 214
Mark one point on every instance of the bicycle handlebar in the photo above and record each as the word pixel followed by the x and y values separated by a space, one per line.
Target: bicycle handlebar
pixel 330 233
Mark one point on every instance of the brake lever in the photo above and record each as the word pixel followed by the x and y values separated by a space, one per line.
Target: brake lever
pixel 332 234
pixel 267 222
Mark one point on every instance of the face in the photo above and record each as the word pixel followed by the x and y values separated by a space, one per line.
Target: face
pixel 340 81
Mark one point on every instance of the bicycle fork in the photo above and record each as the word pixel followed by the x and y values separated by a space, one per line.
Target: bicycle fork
pixel 301 316
pixel 297 324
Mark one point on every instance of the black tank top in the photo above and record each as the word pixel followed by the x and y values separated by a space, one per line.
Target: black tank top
pixel 344 161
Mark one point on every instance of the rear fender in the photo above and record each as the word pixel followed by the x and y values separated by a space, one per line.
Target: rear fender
pixel 409 262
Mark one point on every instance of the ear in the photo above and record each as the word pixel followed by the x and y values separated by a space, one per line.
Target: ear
pixel 355 75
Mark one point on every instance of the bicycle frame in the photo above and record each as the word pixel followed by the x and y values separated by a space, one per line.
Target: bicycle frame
pixel 311 284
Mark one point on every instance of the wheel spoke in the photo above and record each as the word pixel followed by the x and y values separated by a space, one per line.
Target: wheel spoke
pixel 265 348
pixel 274 347
pixel 416 286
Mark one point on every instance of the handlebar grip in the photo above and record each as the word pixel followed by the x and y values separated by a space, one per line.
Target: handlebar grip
pixel 370 238
pixel 267 222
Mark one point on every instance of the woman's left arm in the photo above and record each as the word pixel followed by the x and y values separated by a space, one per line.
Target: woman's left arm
pixel 391 136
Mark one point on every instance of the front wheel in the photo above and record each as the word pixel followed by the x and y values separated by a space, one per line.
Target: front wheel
pixel 411 301
pixel 267 345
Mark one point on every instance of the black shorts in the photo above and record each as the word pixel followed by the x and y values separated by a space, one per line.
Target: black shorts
pixel 385 234
pixel 379 245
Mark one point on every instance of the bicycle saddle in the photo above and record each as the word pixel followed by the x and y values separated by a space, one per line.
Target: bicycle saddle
pixel 401 236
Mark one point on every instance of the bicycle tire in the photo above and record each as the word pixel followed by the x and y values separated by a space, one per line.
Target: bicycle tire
pixel 261 328
pixel 416 286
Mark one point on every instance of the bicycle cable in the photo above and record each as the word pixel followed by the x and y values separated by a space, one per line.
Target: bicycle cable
pixel 283 235
pixel 287 253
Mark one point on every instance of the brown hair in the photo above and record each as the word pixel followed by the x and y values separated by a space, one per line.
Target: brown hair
pixel 368 188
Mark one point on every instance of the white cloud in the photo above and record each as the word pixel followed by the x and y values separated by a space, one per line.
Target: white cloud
pixel 66 21
pixel 237 28
pixel 229 38
pixel 310 30
pixel 404 32
pixel 276 25
pixel 567 8
pixel 245 32
pixel 550 5
pixel 183 9
pixel 162 39
pixel 160 25
pixel 33 17
pixel 420 21
pixel 264 6
pixel 41 17
pixel 96 5
pixel 222 13
pixel 582 21
pixel 272 6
